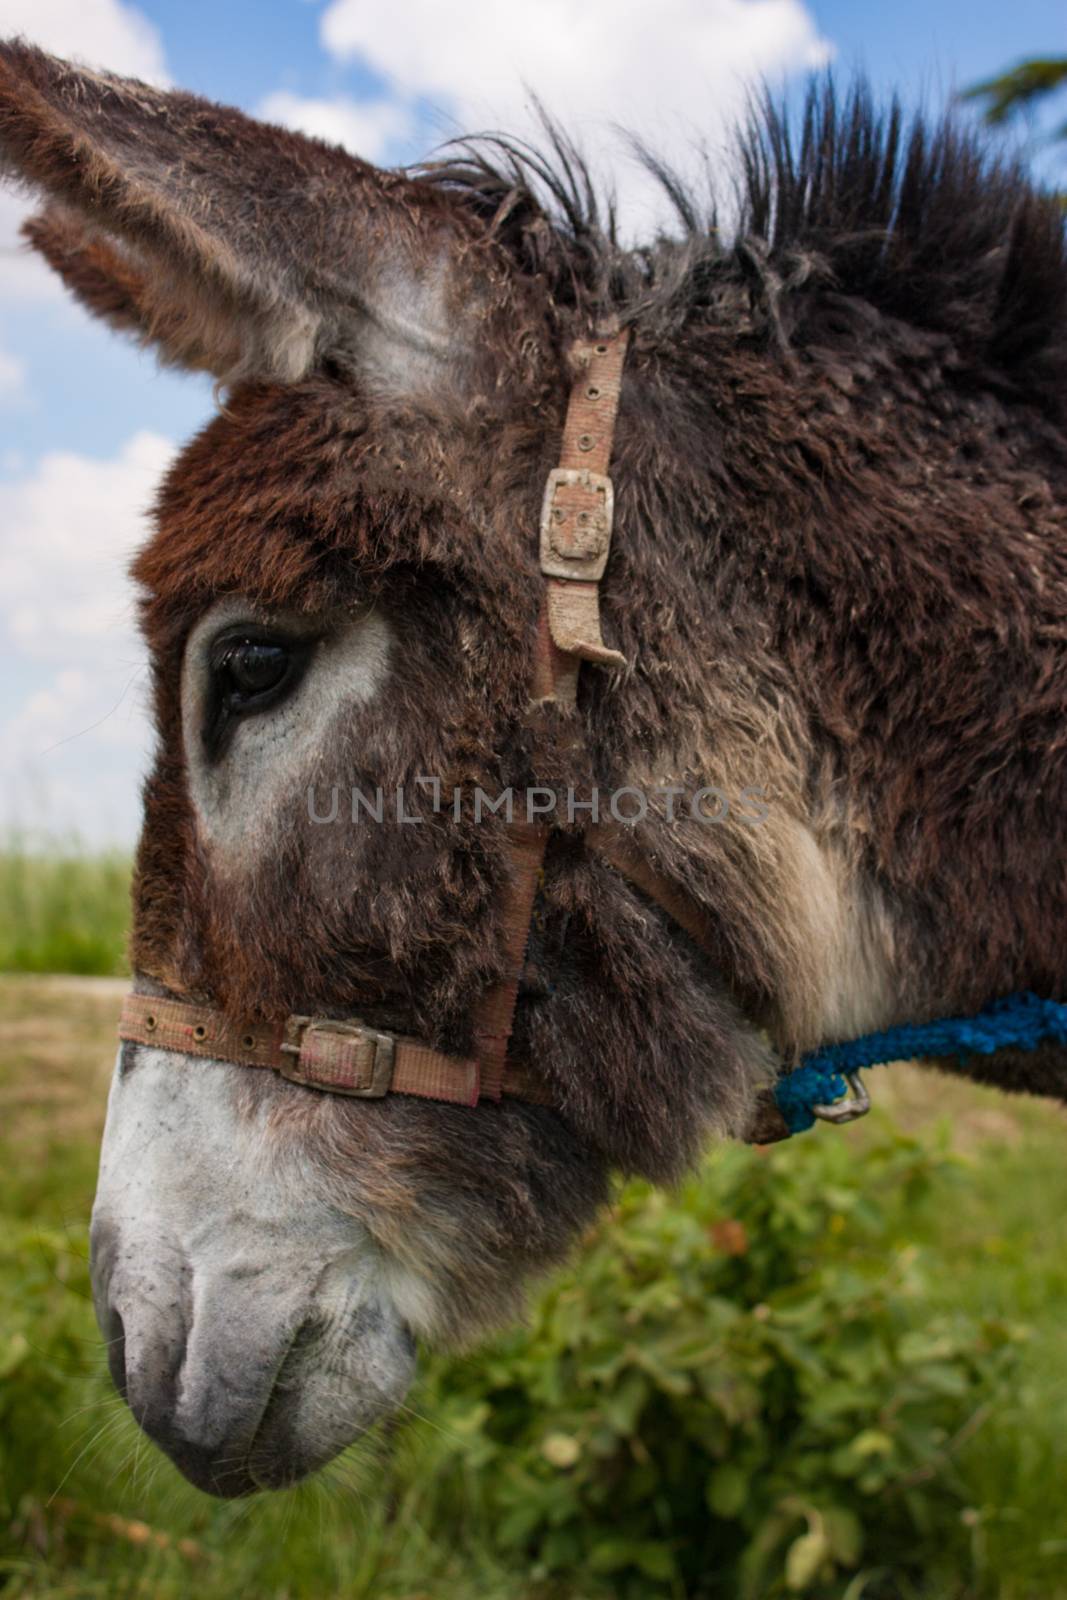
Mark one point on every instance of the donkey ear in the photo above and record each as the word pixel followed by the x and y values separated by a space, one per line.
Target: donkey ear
pixel 236 246
pixel 111 285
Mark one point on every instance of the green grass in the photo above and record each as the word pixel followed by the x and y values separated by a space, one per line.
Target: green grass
pixel 1000 1248
pixel 61 910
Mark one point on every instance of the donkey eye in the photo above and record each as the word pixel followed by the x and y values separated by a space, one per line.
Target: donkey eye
pixel 254 668
pixel 249 675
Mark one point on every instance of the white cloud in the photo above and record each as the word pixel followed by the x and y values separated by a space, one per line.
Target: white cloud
pixel 671 73
pixel 367 128
pixel 70 657
pixel 102 33
pixel 68 530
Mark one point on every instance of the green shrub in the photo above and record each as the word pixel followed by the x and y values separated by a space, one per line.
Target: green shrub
pixel 737 1391
pixel 765 1384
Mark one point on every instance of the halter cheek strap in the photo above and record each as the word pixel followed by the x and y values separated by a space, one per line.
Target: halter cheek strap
pixel 577 519
pixel 576 528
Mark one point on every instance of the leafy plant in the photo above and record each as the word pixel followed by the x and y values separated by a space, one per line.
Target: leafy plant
pixel 738 1392
pixel 1019 89
pixel 797 1375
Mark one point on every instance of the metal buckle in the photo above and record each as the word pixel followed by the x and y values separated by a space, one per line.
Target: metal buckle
pixel 850 1107
pixel 576 522
pixel 364 1070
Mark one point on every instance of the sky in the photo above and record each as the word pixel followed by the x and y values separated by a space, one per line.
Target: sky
pixel 89 423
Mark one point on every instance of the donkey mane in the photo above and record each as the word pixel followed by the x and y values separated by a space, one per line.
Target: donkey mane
pixel 922 221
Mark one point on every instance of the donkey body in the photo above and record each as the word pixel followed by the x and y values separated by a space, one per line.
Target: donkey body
pixel 839 576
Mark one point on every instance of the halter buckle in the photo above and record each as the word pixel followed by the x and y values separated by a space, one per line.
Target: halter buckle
pixel 338 1057
pixel 850 1107
pixel 576 523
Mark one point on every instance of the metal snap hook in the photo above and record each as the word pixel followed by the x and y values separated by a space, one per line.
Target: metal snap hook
pixel 850 1107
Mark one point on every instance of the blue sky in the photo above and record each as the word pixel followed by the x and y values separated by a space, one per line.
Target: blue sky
pixel 89 422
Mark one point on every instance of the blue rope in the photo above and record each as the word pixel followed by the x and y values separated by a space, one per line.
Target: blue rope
pixel 1021 1020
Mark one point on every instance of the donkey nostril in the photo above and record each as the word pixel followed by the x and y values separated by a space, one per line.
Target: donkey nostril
pixel 115 1336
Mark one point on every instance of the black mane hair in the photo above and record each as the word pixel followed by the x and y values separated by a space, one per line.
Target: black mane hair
pixel 919 221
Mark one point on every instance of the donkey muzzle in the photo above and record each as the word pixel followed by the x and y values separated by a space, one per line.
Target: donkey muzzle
pixel 247 1322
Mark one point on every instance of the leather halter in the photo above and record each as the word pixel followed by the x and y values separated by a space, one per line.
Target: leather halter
pixel 350 1058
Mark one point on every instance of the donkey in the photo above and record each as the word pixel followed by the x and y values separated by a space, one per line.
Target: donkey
pixel 839 577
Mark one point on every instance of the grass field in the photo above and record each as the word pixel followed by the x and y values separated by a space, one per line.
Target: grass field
pixel 62 910
pixel 90 1509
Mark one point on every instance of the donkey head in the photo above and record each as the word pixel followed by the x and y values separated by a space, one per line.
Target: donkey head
pixel 342 594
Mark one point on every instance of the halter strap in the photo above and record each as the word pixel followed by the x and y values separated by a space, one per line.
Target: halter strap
pixel 576 528
pixel 577 518
pixel 342 1057
pixel 351 1058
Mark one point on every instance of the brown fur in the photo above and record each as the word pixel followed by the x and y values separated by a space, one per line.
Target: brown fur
pixel 839 572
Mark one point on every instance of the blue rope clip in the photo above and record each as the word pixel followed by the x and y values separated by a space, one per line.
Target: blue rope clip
pixel 826 1085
